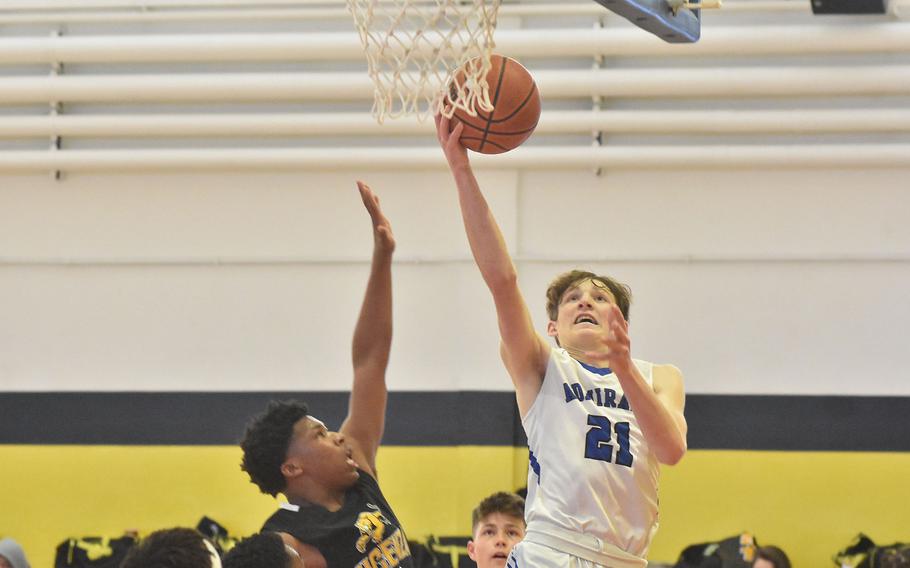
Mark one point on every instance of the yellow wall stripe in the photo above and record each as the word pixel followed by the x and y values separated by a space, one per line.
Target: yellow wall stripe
pixel 810 503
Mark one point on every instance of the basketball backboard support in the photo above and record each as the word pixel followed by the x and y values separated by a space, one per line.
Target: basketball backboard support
pixel 679 25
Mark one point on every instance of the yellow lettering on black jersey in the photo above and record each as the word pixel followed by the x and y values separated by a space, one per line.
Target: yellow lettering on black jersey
pixel 371 525
pixel 388 554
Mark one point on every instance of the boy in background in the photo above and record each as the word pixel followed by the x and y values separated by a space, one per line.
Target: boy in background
pixel 498 523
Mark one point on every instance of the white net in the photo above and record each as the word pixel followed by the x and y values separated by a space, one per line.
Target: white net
pixel 415 47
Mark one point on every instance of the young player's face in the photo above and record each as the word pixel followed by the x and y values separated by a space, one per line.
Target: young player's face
pixel 494 537
pixel 583 315
pixel 323 456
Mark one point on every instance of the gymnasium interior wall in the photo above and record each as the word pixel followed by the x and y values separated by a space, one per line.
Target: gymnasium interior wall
pixel 146 315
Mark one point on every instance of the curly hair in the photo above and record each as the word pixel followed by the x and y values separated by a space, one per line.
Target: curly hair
pixel 559 285
pixel 265 444
pixel 263 550
pixel 169 548
pixel 510 504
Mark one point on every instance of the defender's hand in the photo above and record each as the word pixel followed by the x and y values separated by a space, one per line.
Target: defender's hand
pixel 383 239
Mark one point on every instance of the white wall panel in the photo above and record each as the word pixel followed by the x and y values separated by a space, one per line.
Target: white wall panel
pixel 234 216
pixel 773 328
pixel 810 326
pixel 750 213
pixel 237 328
pixel 765 328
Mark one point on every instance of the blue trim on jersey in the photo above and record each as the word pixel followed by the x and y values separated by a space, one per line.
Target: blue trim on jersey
pixel 535 465
pixel 598 370
pixel 511 562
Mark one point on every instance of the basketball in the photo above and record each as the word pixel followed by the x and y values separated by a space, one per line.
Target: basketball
pixel 516 110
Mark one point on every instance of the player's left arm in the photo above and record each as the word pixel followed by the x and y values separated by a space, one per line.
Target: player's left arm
pixel 668 385
pixel 371 345
pixel 658 407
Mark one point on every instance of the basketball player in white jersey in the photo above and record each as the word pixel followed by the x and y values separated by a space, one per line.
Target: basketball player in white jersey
pixel 598 422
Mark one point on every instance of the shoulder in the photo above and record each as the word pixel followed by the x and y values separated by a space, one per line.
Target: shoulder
pixel 367 488
pixel 529 364
pixel 667 377
pixel 556 356
pixel 285 511
pixel 295 520
pixel 366 481
pixel 667 370
pixel 527 370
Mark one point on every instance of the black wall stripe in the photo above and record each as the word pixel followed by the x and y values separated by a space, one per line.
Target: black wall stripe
pixel 800 423
pixel 412 418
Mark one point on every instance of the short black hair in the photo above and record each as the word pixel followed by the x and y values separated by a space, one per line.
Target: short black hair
pixel 774 555
pixel 169 548
pixel 265 444
pixel 263 550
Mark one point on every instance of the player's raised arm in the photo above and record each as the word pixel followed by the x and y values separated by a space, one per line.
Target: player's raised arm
pixel 372 342
pixel 658 406
pixel 524 352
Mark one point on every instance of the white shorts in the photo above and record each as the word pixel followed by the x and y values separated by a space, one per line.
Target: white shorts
pixel 563 549
pixel 532 555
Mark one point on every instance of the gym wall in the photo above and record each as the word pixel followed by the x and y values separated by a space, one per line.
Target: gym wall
pixel 148 314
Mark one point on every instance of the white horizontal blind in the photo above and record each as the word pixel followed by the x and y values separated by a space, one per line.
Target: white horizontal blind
pixel 766 78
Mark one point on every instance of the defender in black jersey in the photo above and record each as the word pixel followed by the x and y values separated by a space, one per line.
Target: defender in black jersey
pixel 336 515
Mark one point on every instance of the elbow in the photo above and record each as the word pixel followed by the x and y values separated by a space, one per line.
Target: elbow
pixel 504 280
pixel 673 454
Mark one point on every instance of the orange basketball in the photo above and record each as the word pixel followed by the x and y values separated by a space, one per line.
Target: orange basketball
pixel 516 110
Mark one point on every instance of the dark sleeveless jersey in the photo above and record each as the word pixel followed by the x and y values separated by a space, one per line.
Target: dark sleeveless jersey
pixel 364 533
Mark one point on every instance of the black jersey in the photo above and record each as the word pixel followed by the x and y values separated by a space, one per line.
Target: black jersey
pixel 364 533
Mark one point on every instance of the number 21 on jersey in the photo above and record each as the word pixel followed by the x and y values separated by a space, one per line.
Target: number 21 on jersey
pixel 597 441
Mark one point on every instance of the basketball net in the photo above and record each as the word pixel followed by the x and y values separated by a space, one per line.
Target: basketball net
pixel 415 47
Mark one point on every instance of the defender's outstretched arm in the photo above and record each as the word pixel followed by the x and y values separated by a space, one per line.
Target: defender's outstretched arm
pixel 372 342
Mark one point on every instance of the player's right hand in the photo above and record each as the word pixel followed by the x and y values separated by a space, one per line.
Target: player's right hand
pixel 456 153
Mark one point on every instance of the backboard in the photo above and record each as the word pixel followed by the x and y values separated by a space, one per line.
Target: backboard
pixel 682 25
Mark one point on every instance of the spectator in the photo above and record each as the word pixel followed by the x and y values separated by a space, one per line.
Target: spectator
pixel 263 550
pixel 498 523
pixel 173 548
pixel 770 557
pixel 12 555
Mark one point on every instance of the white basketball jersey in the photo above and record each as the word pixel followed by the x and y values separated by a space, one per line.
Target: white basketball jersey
pixel 591 470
